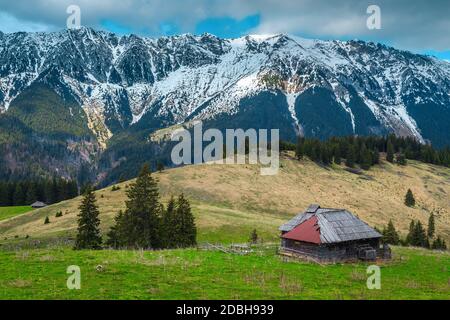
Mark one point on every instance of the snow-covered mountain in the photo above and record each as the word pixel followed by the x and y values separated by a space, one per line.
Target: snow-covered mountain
pixel 309 87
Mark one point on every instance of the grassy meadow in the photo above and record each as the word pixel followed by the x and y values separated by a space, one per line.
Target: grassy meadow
pixel 228 203
pixel 198 274
pixel 10 212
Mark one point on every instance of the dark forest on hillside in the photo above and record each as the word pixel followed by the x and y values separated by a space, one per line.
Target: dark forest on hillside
pixel 24 193
pixel 365 151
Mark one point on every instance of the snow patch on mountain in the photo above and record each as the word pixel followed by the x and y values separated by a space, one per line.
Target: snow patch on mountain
pixel 120 79
pixel 291 98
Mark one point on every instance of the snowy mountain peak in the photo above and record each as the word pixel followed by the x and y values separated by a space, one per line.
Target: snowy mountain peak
pixel 123 80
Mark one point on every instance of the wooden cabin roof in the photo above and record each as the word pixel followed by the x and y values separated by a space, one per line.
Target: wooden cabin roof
pixel 38 204
pixel 332 225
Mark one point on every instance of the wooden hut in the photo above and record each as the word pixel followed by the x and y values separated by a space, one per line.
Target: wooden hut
pixel 330 235
pixel 38 205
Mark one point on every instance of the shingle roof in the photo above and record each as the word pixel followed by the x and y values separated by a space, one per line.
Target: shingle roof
pixel 336 225
pixel 38 204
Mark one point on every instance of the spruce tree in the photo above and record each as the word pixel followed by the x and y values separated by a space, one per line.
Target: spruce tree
pixel 350 157
pixel 366 158
pixel 431 226
pixel 419 238
pixel 48 192
pixel 185 228
pixel 439 244
pixel 299 150
pixel 73 189
pixel 375 157
pixel 390 152
pixel 88 236
pixel 168 224
pixel 142 227
pixel 19 195
pixel 47 220
pixel 31 194
pixel 401 159
pixel 115 236
pixel 412 228
pixel 3 195
pixel 337 155
pixel 390 235
pixel 410 201
pixel 160 166
pixel 54 189
pixel 254 237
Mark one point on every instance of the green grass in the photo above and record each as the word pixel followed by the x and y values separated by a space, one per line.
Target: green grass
pixel 197 274
pixel 9 212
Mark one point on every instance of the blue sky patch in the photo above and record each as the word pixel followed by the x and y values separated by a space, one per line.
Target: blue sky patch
pixel 445 55
pixel 226 27
pixel 115 27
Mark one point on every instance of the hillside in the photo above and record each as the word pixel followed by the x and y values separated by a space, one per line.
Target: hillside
pixel 230 201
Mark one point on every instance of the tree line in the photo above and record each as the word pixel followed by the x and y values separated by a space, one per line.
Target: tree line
pixel 417 235
pixel 145 224
pixel 365 151
pixel 26 192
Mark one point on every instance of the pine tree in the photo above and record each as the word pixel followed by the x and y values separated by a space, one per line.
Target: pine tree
pixel 366 158
pixel 431 226
pixel 168 224
pixel 410 201
pixel 47 220
pixel 419 237
pixel 63 192
pixel 3 195
pixel 73 189
pixel 375 157
pixel 54 189
pixel 299 149
pixel 88 236
pixel 48 193
pixel 115 236
pixel 11 189
pixel 185 228
pixel 401 159
pixel 443 245
pixel 412 228
pixel 160 166
pixel 254 237
pixel 350 157
pixel 390 152
pixel 31 196
pixel 390 235
pixel 337 155
pixel 439 244
pixel 142 218
pixel 19 195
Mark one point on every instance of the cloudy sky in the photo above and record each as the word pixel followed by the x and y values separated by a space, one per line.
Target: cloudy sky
pixel 417 25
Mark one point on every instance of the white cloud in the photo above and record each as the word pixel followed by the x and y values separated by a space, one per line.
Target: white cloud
pixel 10 23
pixel 410 24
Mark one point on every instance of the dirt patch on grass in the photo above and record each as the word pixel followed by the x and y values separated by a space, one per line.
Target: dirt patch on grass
pixel 20 283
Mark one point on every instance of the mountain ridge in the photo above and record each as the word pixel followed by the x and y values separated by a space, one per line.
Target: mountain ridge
pixel 130 86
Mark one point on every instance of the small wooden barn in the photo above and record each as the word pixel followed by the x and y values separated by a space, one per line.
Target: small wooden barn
pixel 330 235
pixel 38 205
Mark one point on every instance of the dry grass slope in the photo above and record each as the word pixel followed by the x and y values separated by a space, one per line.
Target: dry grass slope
pixel 229 201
